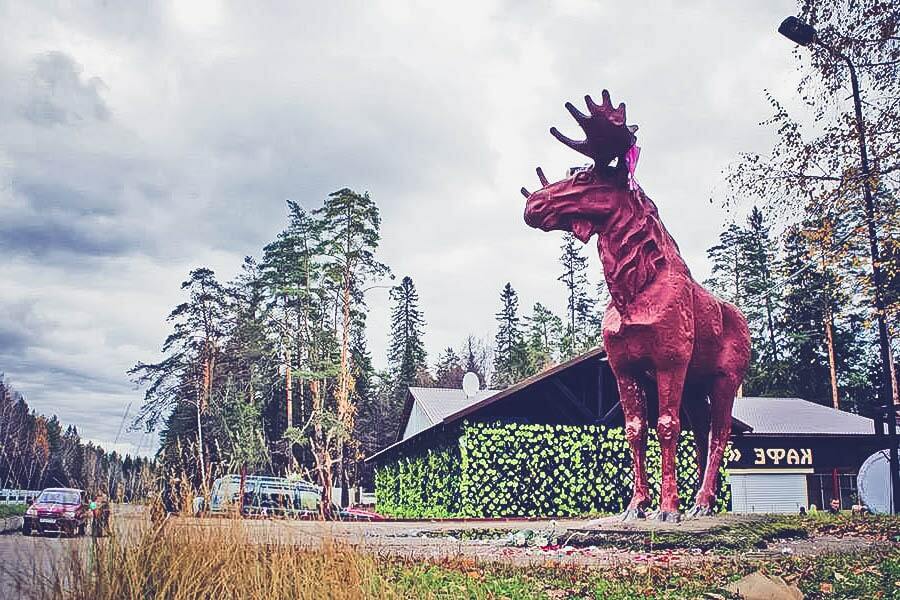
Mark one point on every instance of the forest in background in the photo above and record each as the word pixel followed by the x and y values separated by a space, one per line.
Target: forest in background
pixel 37 452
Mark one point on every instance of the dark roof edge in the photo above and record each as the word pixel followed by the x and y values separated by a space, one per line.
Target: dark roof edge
pixel 399 443
pixel 460 414
pixel 520 385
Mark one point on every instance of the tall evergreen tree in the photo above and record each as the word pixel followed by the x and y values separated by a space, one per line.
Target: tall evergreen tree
pixel 351 226
pixel 406 352
pixel 510 352
pixel 543 338
pixel 728 264
pixel 759 283
pixel 189 369
pixel 803 317
pixel 297 310
pixel 580 317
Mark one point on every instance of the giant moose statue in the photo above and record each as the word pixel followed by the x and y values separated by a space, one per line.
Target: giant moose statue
pixel 665 335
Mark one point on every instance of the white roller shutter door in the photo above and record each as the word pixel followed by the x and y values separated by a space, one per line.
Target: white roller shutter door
pixel 768 492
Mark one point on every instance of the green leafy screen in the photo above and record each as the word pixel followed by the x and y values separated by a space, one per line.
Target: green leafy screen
pixel 512 469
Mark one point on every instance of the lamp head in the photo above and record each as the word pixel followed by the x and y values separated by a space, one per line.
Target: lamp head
pixel 797 31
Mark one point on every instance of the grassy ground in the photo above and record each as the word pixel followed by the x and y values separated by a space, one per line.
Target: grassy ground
pixel 867 575
pixel 722 538
pixel 12 510
pixel 181 564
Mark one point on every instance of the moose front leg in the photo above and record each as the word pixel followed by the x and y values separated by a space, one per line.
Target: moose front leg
pixel 634 408
pixel 670 385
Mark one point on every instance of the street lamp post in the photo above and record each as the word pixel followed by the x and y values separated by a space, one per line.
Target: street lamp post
pixel 803 34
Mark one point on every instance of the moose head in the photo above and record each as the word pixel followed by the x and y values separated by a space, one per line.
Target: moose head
pixel 581 202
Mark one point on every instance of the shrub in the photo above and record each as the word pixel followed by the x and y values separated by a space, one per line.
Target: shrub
pixel 12 510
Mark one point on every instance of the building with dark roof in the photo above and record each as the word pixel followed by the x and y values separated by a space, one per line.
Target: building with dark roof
pixel 787 453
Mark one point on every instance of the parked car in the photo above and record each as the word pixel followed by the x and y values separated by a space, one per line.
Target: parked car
pixel 61 510
pixel 277 497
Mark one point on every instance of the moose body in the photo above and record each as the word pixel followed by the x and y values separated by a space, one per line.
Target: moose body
pixel 666 336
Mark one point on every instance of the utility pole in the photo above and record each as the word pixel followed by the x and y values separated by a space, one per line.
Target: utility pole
pixel 803 34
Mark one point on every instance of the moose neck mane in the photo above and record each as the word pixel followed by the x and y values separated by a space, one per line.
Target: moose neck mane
pixel 634 248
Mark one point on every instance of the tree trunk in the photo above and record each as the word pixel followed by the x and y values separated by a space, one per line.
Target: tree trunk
pixel 895 393
pixel 771 328
pixel 829 323
pixel 832 367
pixel 345 480
pixel 200 443
pixel 288 386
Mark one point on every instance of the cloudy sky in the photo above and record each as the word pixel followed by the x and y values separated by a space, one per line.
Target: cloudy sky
pixel 141 139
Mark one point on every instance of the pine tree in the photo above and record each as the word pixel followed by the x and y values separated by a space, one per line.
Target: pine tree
pixel 803 319
pixel 296 299
pixel 449 370
pixel 543 338
pixel 510 353
pixel 580 305
pixel 728 265
pixel 406 352
pixel 351 225
pixel 759 283
pixel 189 369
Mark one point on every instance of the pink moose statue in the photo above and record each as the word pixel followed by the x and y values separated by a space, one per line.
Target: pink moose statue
pixel 665 335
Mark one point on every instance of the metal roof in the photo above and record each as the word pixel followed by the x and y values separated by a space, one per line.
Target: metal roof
pixel 795 416
pixel 440 403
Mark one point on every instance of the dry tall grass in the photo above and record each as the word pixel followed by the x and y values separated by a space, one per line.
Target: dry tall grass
pixel 221 562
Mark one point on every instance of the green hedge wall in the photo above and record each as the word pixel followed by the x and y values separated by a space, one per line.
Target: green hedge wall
pixel 511 469
pixel 425 484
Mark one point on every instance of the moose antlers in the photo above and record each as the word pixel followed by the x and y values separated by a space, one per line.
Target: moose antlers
pixel 607 136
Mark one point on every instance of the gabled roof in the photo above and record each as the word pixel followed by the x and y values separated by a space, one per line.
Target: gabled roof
pixel 440 403
pixel 458 406
pixel 795 416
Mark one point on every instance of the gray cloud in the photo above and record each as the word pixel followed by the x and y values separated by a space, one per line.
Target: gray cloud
pixel 137 143
pixel 58 95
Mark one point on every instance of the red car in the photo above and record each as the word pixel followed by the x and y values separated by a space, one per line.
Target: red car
pixel 62 510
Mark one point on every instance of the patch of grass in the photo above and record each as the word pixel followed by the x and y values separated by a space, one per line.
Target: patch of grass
pixel 865 574
pixel 484 533
pixel 12 510
pixel 451 581
pixel 884 527
pixel 178 563
pixel 726 537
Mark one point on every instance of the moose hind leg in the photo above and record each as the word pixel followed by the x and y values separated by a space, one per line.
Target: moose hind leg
pixel 696 409
pixel 634 408
pixel 721 401
pixel 670 385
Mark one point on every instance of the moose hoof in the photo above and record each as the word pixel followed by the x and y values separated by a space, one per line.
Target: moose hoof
pixel 700 511
pixel 668 517
pixel 632 514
